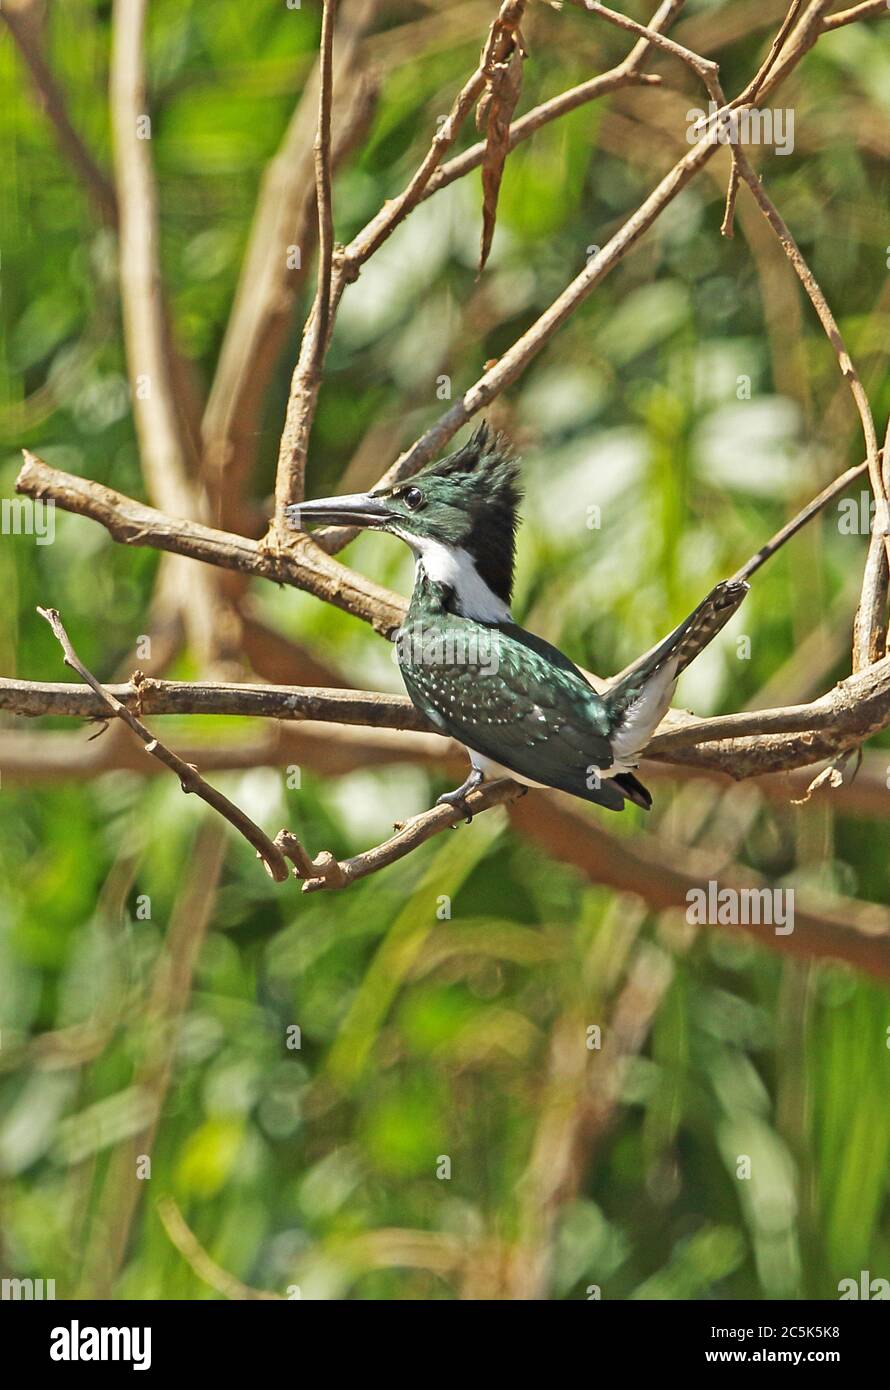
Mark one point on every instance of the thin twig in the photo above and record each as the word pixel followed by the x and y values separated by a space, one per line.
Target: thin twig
pixel 306 380
pixel 323 187
pixel 189 777
pixel 522 352
pixel 625 74
pixel 653 36
pixel 870 624
pixel 324 871
pixel 334 538
pixel 204 1265
pixel 870 9
pixel 525 349
pixel 540 116
pixel 812 24
pixel 791 528
pixel 752 91
pixel 270 282
pixel 705 68
pixel 307 375
pixel 395 210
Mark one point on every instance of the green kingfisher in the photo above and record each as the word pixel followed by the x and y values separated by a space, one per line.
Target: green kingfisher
pixel 518 705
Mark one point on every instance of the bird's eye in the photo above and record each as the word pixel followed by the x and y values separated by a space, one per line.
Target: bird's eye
pixel 413 498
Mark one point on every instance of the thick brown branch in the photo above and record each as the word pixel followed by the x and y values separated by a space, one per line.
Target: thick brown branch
pixel 132 523
pixel 149 696
pixel 777 744
pixel 162 449
pixel 745 744
pixel 164 446
pixel 333 750
pixel 855 932
pixel 32 758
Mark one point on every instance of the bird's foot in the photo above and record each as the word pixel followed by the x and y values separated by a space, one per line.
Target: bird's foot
pixel 459 796
pixel 455 799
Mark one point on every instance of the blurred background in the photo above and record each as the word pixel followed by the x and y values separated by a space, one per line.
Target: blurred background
pixel 394 1092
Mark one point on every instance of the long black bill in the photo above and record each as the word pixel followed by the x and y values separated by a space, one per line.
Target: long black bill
pixel 356 509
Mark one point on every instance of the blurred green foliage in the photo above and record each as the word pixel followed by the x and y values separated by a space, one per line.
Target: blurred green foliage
pixel 649 475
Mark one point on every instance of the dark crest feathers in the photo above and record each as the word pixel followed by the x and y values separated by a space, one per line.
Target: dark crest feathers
pixel 489 490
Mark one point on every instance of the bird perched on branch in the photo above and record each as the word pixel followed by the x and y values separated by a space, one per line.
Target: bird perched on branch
pixel 518 705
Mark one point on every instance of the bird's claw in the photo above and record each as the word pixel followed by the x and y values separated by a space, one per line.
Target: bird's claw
pixel 457 800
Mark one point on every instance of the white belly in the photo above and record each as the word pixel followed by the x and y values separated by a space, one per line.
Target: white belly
pixel 489 768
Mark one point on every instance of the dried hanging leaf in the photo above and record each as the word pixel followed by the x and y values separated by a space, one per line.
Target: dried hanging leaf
pixel 834 775
pixel 493 116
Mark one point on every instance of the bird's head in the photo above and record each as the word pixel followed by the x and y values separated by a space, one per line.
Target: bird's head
pixel 457 514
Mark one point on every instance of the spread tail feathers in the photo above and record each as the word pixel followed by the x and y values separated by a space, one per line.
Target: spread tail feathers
pixel 639 697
